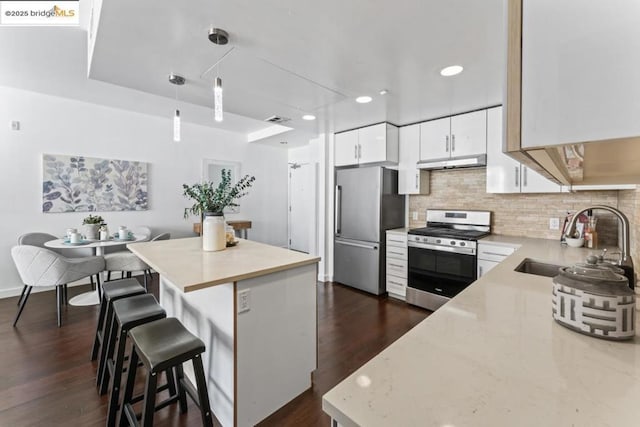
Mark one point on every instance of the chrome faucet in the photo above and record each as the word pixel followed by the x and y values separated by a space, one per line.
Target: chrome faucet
pixel 625 256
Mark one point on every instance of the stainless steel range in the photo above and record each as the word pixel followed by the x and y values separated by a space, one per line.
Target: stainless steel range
pixel 442 255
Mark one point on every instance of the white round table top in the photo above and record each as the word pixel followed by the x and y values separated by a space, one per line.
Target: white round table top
pixel 60 243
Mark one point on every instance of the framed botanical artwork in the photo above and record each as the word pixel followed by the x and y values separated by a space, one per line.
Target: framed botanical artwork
pixel 212 171
pixel 89 184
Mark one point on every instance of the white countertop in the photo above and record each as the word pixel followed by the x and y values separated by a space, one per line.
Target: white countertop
pixel 188 267
pixel 493 356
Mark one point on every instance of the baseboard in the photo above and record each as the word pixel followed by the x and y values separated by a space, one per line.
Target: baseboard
pixel 325 277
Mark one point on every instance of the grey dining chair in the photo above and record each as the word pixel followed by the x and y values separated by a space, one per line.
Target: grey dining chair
pixel 39 239
pixel 127 262
pixel 43 267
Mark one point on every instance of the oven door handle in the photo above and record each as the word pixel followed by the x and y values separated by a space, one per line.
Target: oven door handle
pixel 457 250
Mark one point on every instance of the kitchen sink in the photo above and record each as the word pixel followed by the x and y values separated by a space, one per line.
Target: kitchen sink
pixel 530 266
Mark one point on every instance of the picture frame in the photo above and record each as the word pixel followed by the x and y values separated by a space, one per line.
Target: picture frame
pixel 212 170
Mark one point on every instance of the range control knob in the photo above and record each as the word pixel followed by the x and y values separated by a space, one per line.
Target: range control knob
pixel 438 241
pixel 463 244
pixel 453 242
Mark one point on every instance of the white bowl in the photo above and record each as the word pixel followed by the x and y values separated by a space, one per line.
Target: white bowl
pixel 575 243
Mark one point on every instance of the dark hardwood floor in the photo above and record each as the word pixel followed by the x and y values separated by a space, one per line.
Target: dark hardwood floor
pixel 46 377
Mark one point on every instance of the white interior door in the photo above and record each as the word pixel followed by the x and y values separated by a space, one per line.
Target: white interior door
pixel 301 212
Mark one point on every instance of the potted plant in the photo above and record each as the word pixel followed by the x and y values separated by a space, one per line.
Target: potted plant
pixel 208 198
pixel 91 225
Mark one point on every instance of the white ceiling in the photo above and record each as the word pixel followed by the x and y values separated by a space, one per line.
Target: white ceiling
pixel 293 57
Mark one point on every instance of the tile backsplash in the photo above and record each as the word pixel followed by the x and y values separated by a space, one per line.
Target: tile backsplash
pixel 524 214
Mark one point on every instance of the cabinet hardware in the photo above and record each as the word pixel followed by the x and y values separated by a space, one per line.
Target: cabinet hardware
pixel 396 265
pixel 480 270
pixel 517 174
pixel 359 151
pixel 355 151
pixel 493 253
pixel 446 143
pixel 524 179
pixel 453 143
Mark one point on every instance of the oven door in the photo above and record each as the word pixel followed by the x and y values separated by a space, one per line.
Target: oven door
pixel 440 272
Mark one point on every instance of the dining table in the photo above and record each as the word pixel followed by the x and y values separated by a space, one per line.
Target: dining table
pixel 93 297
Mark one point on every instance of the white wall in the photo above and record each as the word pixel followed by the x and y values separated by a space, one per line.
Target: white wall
pixel 51 124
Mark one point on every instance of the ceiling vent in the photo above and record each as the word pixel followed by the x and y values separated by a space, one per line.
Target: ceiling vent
pixel 276 119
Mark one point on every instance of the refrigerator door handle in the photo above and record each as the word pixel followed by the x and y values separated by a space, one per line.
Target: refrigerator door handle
pixel 358 245
pixel 338 208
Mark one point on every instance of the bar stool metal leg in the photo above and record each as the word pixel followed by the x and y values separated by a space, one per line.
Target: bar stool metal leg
pixel 149 399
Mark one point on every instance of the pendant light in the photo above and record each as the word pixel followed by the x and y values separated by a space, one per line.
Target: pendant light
pixel 217 99
pixel 178 81
pixel 219 37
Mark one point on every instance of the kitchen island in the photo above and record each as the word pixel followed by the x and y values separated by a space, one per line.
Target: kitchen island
pixel 254 306
pixel 493 356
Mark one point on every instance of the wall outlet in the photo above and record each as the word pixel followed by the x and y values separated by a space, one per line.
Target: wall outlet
pixel 554 223
pixel 414 215
pixel 244 300
pixel 15 125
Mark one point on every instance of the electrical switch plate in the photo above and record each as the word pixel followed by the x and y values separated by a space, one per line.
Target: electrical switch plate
pixel 15 125
pixel 554 223
pixel 414 215
pixel 244 300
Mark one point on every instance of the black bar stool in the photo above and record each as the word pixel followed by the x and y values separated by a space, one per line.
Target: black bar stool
pixel 128 313
pixel 112 291
pixel 161 346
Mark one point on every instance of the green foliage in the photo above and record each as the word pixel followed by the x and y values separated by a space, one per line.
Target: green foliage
pixel 210 199
pixel 93 219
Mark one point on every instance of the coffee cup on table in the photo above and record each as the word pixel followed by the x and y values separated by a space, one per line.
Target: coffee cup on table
pixel 123 233
pixel 75 237
pixel 70 231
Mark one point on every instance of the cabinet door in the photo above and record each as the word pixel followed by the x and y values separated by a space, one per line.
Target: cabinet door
pixel 533 182
pixel 469 134
pixel 372 142
pixel 579 71
pixel 346 148
pixel 408 174
pixel 503 172
pixel 434 139
pixel 484 266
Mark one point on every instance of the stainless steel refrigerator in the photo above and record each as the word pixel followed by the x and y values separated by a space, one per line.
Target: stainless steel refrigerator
pixel 366 204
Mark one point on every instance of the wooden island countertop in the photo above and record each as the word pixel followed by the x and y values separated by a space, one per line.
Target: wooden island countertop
pixel 189 268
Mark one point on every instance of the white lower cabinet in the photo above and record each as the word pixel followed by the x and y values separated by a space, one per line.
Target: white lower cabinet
pixel 490 255
pixel 484 266
pixel 396 264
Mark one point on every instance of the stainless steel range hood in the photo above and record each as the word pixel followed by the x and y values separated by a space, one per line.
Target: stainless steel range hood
pixel 454 162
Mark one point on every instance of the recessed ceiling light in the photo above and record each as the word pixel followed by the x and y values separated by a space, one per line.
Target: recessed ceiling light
pixel 451 70
pixel 308 117
pixel 363 99
pixel 384 92
pixel 283 142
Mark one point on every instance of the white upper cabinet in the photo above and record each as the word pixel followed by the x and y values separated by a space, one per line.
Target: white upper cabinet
pixel 378 143
pixel 504 174
pixel 435 139
pixel 411 180
pixel 580 67
pixel 346 148
pixel 463 135
pixel 371 144
pixel 469 134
